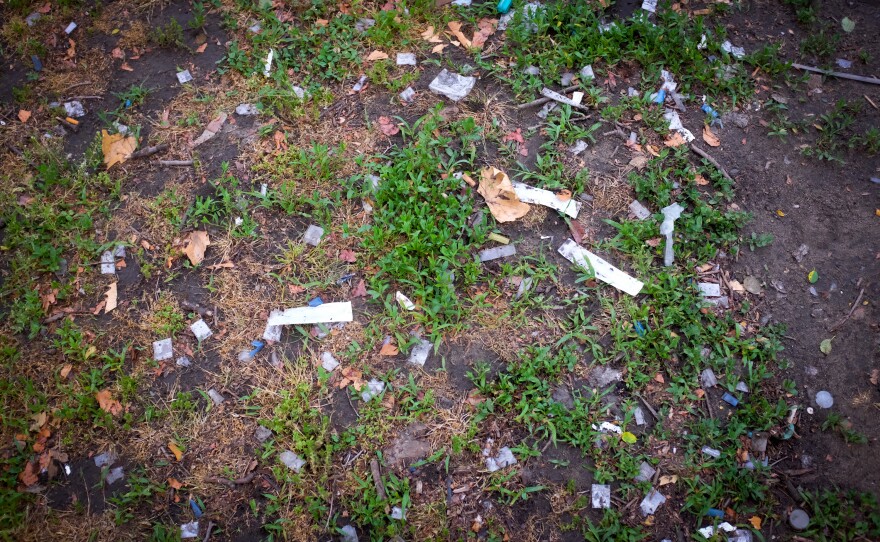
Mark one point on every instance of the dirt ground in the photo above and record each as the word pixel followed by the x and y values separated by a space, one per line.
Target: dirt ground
pixel 832 207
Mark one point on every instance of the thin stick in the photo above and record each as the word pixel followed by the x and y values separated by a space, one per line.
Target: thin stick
pixel 377 479
pixel 851 311
pixel 208 534
pixel 870 101
pixel 175 162
pixel 71 87
pixel 82 98
pixel 841 75
pixel 149 151
pixel 542 101
pixel 712 161
pixel 653 412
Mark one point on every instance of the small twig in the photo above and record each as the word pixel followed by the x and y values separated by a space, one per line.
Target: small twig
pixel 82 98
pixel 193 306
pixel 149 151
pixel 175 162
pixel 870 101
pixel 377 479
pixel 15 150
pixel 75 85
pixel 841 75
pixel 542 101
pixel 712 161
pixel 220 480
pixel 709 406
pixel 208 533
pixel 649 407
pixel 851 311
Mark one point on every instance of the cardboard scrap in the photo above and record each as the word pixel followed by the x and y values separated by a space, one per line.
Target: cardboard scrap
pixel 117 148
pixel 560 202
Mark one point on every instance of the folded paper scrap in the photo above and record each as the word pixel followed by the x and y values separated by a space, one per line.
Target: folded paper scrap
pixel 325 313
pixel 539 196
pixel 605 272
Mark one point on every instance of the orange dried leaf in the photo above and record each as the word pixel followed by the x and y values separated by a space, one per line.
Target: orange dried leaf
pixel 126 67
pixel 710 138
pixel 674 140
pixel 117 148
pixel 389 349
pixel 756 522
pixel 110 297
pixel 178 454
pixel 107 403
pixel 66 370
pixel 24 115
pixel 700 180
pixel 117 53
pixel 659 378
pixel 201 48
pixel 455 28
pixel 387 126
pixel 195 245
pixel 564 195
pixel 497 190
pixel 360 290
pixel 28 476
pixel 376 55
pixel 174 482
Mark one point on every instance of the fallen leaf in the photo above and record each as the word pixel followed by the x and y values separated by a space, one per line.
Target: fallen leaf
pixel 178 454
pixel 45 8
pixel 48 299
pixel 71 51
pixel 736 286
pixel 201 48
pixel 360 290
pixel 756 522
pixel 674 140
pixel 780 213
pixel 652 150
pixel 117 148
pixel 280 141
pixel 39 420
pixel 699 393
pixel 66 370
pixel 825 346
pixel 195 245
pixel 351 376
pixel 564 195
pixel 497 190
pixel 107 403
pixel 295 289
pixel 515 135
pixel 389 349
pixel 455 28
pixel 146 244
pixel 24 115
pixel 110 296
pixel 322 22
pixel 347 256
pixel 439 48
pixel 211 129
pixel 430 36
pixel 847 24
pixel 700 180
pixel 668 479
pixel 655 242
pixel 710 138
pixel 121 264
pixel 221 265
pixel 628 437
pixel 376 55
pixel 28 476
pixel 659 378
pixel 126 67
pixel 813 276
pixel 875 376
pixel 175 483
pixel 639 161
pixel 99 307
pixel 387 126
pixel 117 53
pixel 577 231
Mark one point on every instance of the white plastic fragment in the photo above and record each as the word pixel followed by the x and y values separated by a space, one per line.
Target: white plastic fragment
pixel 349 534
pixel 709 289
pixel 497 252
pixel 360 84
pixel 604 271
pixel 419 354
pixel 824 399
pixel 528 14
pixel 215 396
pixel 608 427
pixel 404 301
pixel 105 459
pixel 577 97
pixel 313 235
pixel 566 79
pixel 201 330
pixel 32 19
pixel 601 496
pixel 74 109
pixel 707 378
pixel 70 28
pixel 524 286
pixel 631 92
pixel 452 85
pixel 408 94
pixel 539 196
pixel 246 110
pixel 263 433
pixel 676 125
pixel 108 263
pixel 737 52
pixel 189 530
pixel 374 388
pixel 649 5
pixel 264 189
pixel 183 361
pixel 162 349
pixel 646 472
pixel 397 513
pixel 703 43
pixel 670 215
pixel 587 72
pixel 546 109
pixel 114 475
pixel 256 27
pixel 639 415
pixel 638 210
pixel 328 362
pixel 505 458
pixel 324 313
pixel 844 63
pixel 363 24
pixel 273 332
pixel 406 59
pixel 651 502
pixel 292 461
pixel 710 530
pixel 711 452
pixel 557 97
pixel 742 386
pixel 184 77
pixel 532 70
pixel 579 146
pixel 268 69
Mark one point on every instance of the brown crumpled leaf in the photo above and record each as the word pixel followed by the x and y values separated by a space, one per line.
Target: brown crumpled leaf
pixel 201 48
pixel 455 28
pixel 387 126
pixel 389 349
pixel 360 290
pixel 347 255
pixel 195 245
pixel 439 48
pixel 517 136
pixel 674 140
pixel 875 376
pixel 486 29
pixel 376 55
pixel 175 449
pixel 700 180
pixel 110 296
pixel 564 195
pixel 108 403
pixel 352 376
pixel 709 137
pixel 28 476
pixel 24 115
pixel 210 130
pixel 497 190
pixel 430 36
pixel 117 148
pixel 117 53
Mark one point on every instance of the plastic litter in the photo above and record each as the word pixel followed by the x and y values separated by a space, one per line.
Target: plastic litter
pixel 601 496
pixel 255 28
pixel 38 65
pixel 328 362
pixel 105 459
pixel 715 513
pixel 363 24
pixel 197 511
pixel 579 146
pixel 316 302
pixel 32 19
pixel 608 427
pixel 741 386
pixel 546 109
pixel 495 253
pixel 313 235
pixel 631 92
pixel 247 355
pixel 524 286
pixel 604 271
pixel 639 415
pixel 711 452
pixel 70 28
pixel 528 14
pixel 730 399
pixel 651 502
pixel 646 472
pixel 566 79
pixel 408 94
pixel 710 530
pixel 263 433
pixel 273 332
pixel 419 354
pixel 532 70
pixel 709 289
pixel 505 458
pixel 292 461
pixel 667 227
pixel 707 378
pixel 406 59
pixel 201 330
pixel 183 361
pixel 452 85
pixel 397 513
pixel 675 124
pixel 374 388
pixel 162 349
pixel 359 86
pixel 74 109
pixel 824 399
pixel 246 110
pixel 649 5
pixel 641 328
pixel 740 535
pixel 640 211
pixel 504 6
pixel 707 109
pixel 587 72
pixel 268 69
pixel 348 534
pixel 603 376
pixel 326 313
pixel 404 301
pixel 798 519
pixel 189 530
pixel 557 97
pixel 184 77
pixel 115 475
pixel 737 52
pixel 215 396
pixel 108 263
pixel 539 196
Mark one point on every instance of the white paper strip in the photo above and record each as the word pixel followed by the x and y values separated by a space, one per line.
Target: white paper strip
pixel 557 97
pixel 327 312
pixel 605 272
pixel 530 194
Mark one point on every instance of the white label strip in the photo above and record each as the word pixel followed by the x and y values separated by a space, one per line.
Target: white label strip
pixel 605 272
pixel 328 312
pixel 530 194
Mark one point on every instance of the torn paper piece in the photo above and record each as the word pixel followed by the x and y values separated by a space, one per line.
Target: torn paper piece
pixel 530 194
pixel 292 461
pixel 504 458
pixel 326 313
pixel 601 496
pixel 404 301
pixel 162 349
pixel 604 271
pixel 211 130
pixel 273 333
pixel 374 387
pixel 737 52
pixel 709 289
pixel 496 252
pixel 638 210
pixel 268 69
pixel 676 125
pixel 649 5
pixel 108 263
pixel 556 97
pixel 184 77
pixel 328 362
pixel 419 354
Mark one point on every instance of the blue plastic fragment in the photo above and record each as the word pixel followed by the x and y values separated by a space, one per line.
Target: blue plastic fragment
pixel 316 302
pixel 730 399
pixel 715 513
pixel 661 96
pixel 197 512
pixel 707 109
pixel 127 103
pixel 641 329
pixel 258 345
pixel 504 6
pixel 38 66
pixel 345 278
